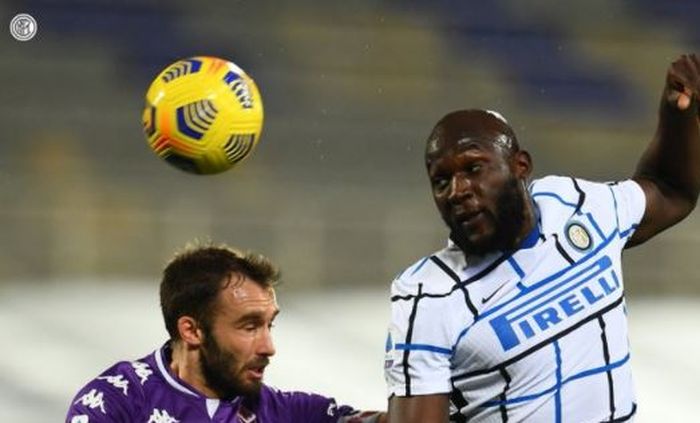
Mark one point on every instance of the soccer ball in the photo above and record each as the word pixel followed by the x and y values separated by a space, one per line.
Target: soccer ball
pixel 203 115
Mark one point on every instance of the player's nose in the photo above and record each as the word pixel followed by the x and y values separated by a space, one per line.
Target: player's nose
pixel 461 187
pixel 265 345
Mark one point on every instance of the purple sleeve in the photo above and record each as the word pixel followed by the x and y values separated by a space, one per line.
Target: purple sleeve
pixel 110 398
pixel 314 408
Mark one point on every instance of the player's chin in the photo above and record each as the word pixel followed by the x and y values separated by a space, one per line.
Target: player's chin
pixel 252 381
pixel 251 388
pixel 475 243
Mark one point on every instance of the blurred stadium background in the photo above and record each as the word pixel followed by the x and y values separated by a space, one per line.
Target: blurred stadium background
pixel 335 192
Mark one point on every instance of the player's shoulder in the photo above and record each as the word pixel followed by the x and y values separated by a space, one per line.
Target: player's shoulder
pixel 434 272
pixel 116 393
pixel 564 186
pixel 569 190
pixel 127 377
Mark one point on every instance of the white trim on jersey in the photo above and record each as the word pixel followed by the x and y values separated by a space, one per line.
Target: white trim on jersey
pixel 212 406
pixel 166 374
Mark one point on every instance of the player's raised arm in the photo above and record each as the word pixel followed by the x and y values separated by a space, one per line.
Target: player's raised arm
pixel 669 170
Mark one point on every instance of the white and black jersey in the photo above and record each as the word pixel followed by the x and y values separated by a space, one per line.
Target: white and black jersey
pixel 538 335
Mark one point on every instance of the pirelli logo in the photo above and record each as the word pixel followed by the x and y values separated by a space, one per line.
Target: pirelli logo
pixel 556 304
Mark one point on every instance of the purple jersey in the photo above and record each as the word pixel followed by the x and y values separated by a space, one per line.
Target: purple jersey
pixel 145 391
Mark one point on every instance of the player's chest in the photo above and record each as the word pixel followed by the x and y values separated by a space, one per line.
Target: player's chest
pixel 538 295
pixel 165 407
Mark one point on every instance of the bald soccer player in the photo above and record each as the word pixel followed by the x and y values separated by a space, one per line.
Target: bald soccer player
pixel 521 317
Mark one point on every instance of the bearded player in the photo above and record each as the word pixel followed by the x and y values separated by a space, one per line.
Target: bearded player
pixel 219 306
pixel 521 317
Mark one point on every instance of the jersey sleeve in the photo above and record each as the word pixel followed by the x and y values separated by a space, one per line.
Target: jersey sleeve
pixel 313 408
pixel 630 204
pixel 110 398
pixel 616 206
pixel 419 343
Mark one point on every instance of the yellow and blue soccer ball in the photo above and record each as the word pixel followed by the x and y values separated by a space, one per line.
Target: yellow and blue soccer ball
pixel 203 115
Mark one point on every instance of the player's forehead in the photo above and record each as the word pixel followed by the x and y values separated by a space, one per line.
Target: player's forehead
pixel 445 151
pixel 241 295
pixel 476 130
pixel 476 142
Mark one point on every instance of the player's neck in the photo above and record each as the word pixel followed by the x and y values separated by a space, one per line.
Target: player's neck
pixel 529 223
pixel 185 365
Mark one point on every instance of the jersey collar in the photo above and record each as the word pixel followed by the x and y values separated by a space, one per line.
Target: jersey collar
pixel 163 357
pixel 531 239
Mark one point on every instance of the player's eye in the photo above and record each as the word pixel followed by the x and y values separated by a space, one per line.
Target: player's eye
pixel 440 184
pixel 474 168
pixel 250 325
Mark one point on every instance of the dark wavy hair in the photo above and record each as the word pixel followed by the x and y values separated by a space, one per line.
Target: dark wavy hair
pixel 193 278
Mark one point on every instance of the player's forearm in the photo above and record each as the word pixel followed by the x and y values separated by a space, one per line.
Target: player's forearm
pixel 672 160
pixel 419 409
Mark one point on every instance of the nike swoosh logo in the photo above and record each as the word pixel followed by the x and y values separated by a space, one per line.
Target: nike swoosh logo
pixel 486 299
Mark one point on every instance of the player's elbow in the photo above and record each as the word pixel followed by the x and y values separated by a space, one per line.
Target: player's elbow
pixel 686 203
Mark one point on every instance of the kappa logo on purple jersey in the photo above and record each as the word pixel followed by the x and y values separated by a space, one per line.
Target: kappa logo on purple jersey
pixel 117 381
pixel 93 399
pixel 161 416
pixel 142 370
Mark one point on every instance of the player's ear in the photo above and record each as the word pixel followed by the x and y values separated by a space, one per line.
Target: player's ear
pixel 522 164
pixel 190 332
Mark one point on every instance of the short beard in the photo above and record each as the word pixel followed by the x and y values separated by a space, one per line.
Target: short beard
pixel 509 219
pixel 218 367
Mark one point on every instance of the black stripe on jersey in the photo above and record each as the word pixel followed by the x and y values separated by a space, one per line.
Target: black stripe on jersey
pixel 606 356
pixel 561 250
pixel 459 401
pixel 458 285
pixel 626 417
pixel 426 295
pixel 458 417
pixel 581 196
pixel 409 336
pixel 503 398
pixel 541 344
pixel 445 268
pixel 487 270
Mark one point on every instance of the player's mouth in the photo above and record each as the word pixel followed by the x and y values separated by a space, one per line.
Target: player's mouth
pixel 470 218
pixel 257 370
pixel 256 373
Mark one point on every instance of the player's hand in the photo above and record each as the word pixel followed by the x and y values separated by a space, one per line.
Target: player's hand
pixel 683 81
